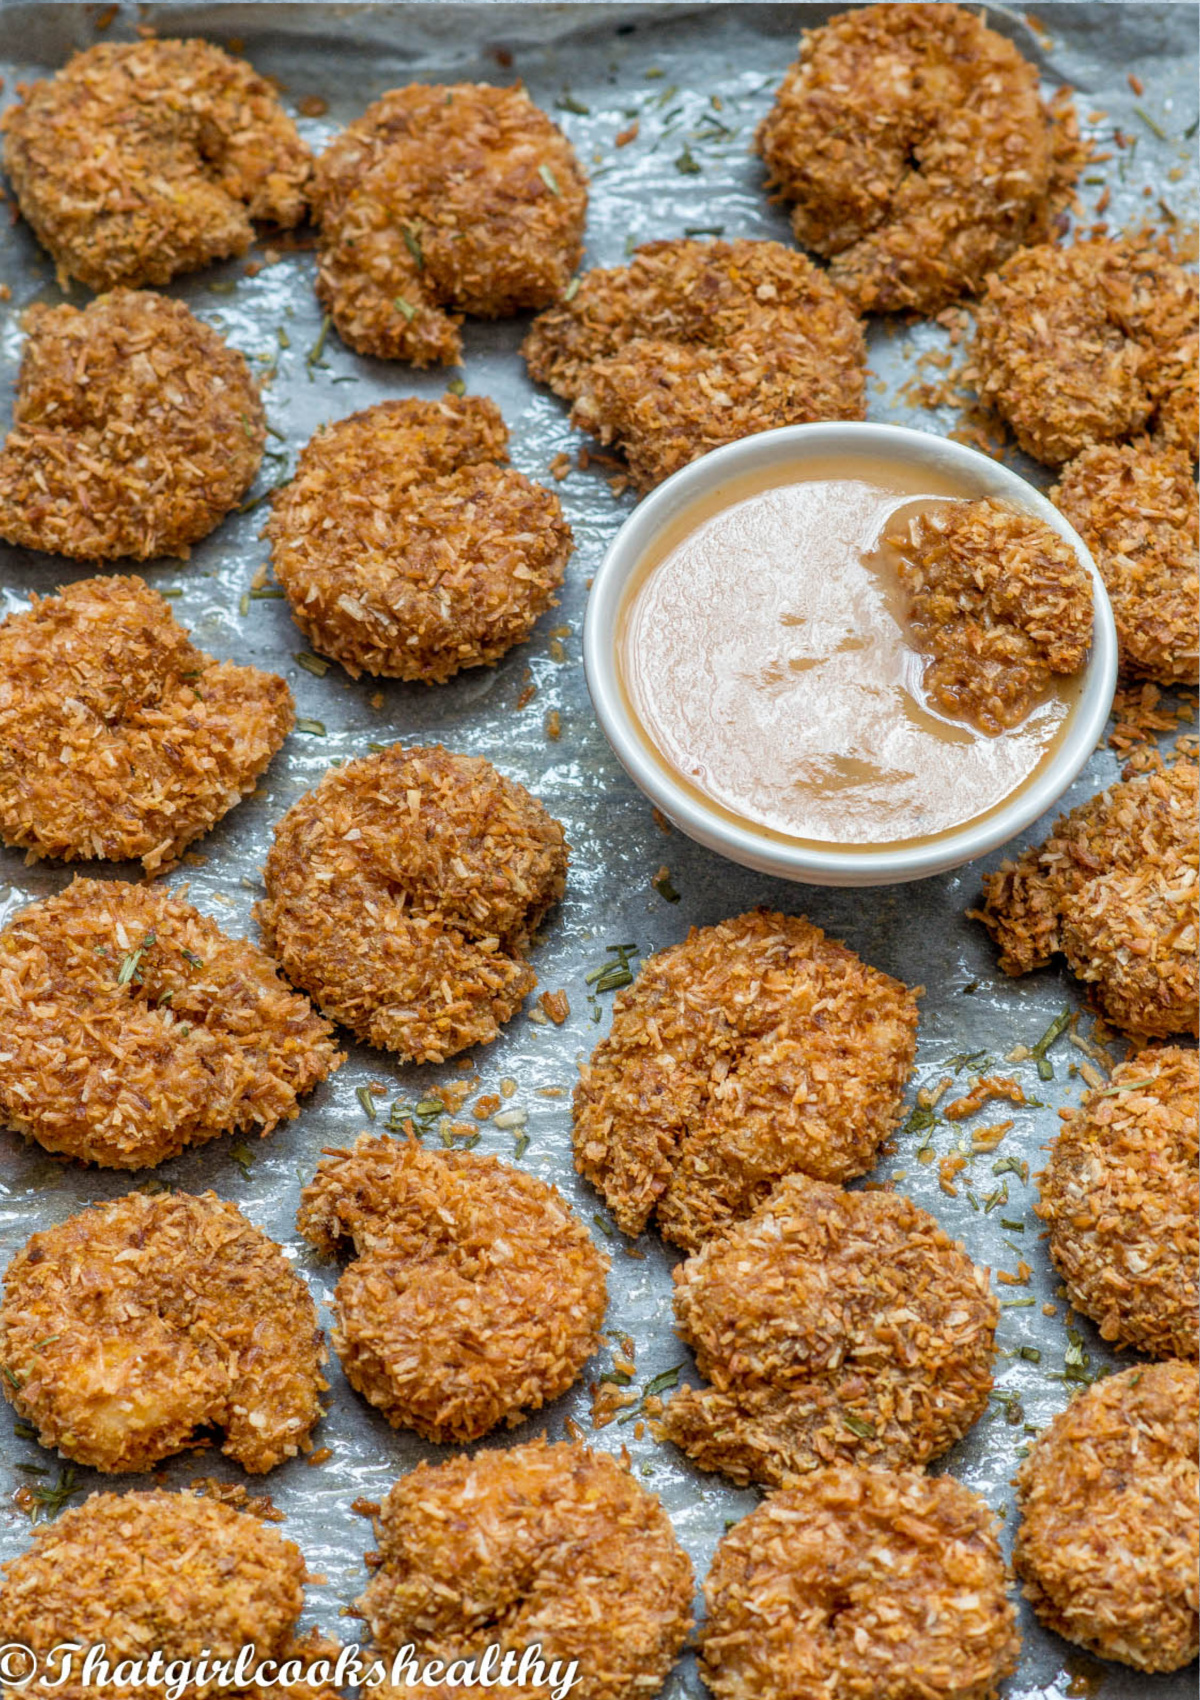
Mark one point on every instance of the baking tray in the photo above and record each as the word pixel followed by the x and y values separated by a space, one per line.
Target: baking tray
pixel 597 67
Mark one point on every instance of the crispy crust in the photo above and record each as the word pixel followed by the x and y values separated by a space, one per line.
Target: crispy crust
pixel 406 550
pixel 475 1296
pixel 1107 1545
pixel 136 429
pixel 1094 343
pixel 140 160
pixel 916 153
pixel 201 1036
pixel 402 895
pixel 119 739
pixel 548 1544
pixel 140 1571
pixel 130 1327
pixel 695 344
pixel 453 199
pixel 1001 603
pixel 834 1327
pixel 752 1049
pixel 1122 1197
pixel 860 1585
pixel 1114 889
pixel 1135 506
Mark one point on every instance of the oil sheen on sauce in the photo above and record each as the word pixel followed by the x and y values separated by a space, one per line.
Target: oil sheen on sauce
pixel 763 651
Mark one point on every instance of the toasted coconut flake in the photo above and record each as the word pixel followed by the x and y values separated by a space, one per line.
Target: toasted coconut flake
pixel 549 1544
pixel 140 160
pixel 834 1327
pixel 118 738
pixel 1109 1540
pixel 404 547
pixel 696 344
pixel 752 1049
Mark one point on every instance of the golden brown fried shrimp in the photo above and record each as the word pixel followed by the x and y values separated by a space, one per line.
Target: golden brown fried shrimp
pixel 553 1545
pixel 127 1329
pixel 695 344
pixel 916 153
pixel 175 1572
pixel 475 1296
pixel 1114 888
pixel 754 1048
pixel 1001 603
pixel 402 895
pixel 1136 508
pixel 1122 1197
pixel 135 431
pixel 1094 343
pixel 406 550
pixel 440 201
pixel 140 160
pixel 1108 1541
pixel 133 1027
pixel 834 1327
pixel 119 739
pixel 860 1585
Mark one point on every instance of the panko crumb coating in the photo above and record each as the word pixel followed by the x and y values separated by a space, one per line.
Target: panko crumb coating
pixel 754 1048
pixel 549 1544
pixel 860 1585
pixel 119 739
pixel 132 1027
pixel 1114 889
pixel 695 344
pixel 174 1571
pixel 1135 506
pixel 474 1297
pixel 135 430
pixel 403 893
pixel 129 1328
pixel 1108 1545
pixel 916 153
pixel 406 550
pixel 1121 1194
pixel 999 601
pixel 834 1327
pixel 141 160
pixel 1091 343
pixel 443 200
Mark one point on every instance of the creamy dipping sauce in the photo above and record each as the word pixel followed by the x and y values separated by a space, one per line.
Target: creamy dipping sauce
pixel 762 649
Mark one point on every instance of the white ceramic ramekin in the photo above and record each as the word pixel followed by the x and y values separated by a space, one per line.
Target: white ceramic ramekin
pixel 832 864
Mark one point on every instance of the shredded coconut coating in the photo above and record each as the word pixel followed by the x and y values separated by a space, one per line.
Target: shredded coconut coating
pixel 1114 888
pixel 443 200
pixel 403 893
pixel 695 344
pixel 1108 1543
pixel 549 1544
pixel 1093 343
pixel 132 1027
pixel 999 601
pixel 141 160
pixel 119 739
pixel 834 1327
pixel 1135 506
pixel 129 1328
pixel 754 1048
pixel 404 547
pixel 474 1297
pixel 138 1571
pixel 1122 1196
pixel 135 430
pixel 860 1585
pixel 916 152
